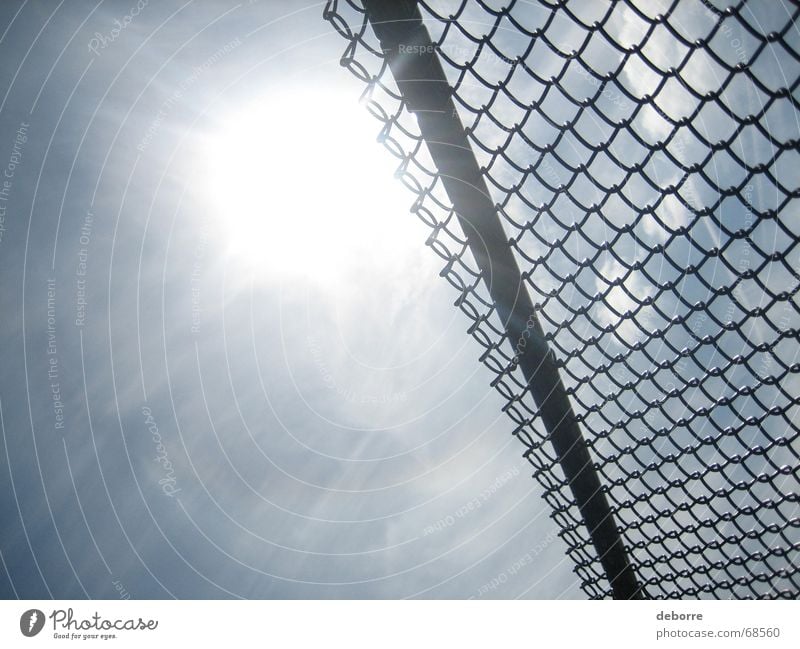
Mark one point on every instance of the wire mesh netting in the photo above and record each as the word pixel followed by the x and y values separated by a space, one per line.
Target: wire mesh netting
pixel 644 160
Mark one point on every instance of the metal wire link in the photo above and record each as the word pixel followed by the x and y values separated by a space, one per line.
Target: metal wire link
pixel 644 163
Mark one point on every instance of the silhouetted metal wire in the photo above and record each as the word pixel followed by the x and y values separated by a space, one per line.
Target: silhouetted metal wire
pixel 644 164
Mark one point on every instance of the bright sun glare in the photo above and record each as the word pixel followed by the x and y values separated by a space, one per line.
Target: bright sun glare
pixel 301 184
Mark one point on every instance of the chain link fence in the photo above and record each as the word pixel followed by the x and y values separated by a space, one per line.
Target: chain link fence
pixel 643 158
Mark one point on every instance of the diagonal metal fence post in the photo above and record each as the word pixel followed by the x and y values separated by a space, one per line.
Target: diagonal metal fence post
pixel 421 80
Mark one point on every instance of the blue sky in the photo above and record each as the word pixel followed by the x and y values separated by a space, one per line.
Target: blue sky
pixel 201 404
pixel 229 366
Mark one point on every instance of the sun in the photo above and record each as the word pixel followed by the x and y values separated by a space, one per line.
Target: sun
pixel 300 184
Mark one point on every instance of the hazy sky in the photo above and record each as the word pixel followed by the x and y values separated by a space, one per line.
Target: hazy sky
pixel 229 366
